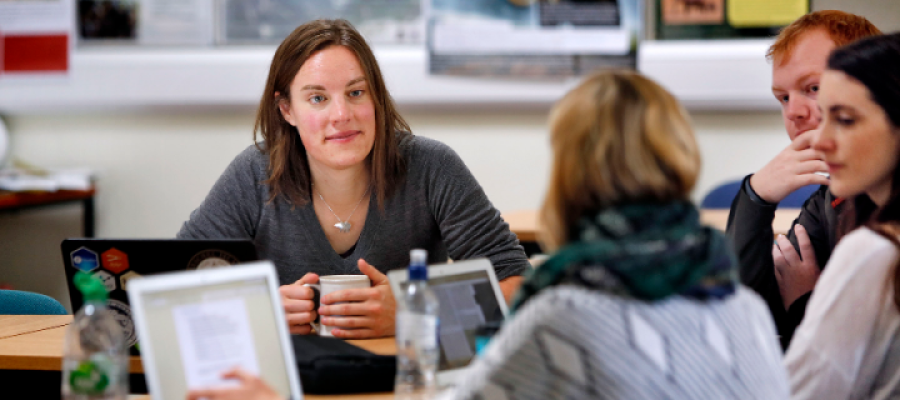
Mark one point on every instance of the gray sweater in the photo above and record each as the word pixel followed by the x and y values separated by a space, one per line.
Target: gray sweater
pixel 439 207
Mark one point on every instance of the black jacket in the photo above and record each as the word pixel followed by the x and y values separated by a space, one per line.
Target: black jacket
pixel 750 229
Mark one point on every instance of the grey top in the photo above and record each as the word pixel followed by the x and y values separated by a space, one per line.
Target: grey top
pixel 440 207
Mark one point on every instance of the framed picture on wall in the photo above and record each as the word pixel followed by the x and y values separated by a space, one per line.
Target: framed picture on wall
pixel 107 20
pixel 537 38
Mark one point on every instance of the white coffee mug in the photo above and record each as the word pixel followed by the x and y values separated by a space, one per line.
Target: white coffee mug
pixel 332 283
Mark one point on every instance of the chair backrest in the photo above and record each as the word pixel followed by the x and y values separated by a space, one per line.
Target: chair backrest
pixel 16 302
pixel 798 197
pixel 723 195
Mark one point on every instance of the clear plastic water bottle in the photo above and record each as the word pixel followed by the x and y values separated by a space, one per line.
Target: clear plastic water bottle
pixel 95 358
pixel 417 334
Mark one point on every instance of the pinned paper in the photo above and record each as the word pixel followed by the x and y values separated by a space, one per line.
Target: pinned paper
pixel 765 13
pixel 36 37
pixel 693 12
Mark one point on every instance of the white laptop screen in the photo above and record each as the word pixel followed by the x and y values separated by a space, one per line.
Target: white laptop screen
pixel 195 331
pixel 467 301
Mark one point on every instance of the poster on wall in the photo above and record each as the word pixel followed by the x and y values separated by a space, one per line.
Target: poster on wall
pixel 107 20
pixel 724 19
pixel 36 38
pixel 693 12
pixel 532 38
pixel 176 22
pixel 270 21
pixel 146 22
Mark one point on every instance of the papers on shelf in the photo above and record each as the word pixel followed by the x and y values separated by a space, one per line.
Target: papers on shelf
pixel 52 180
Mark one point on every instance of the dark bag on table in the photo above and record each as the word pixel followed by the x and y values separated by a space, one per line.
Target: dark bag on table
pixel 331 366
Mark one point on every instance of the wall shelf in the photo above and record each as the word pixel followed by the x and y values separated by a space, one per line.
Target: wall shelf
pixel 719 75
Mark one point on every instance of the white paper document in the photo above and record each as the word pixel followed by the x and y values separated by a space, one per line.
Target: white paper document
pixel 17 180
pixel 213 337
pixel 176 22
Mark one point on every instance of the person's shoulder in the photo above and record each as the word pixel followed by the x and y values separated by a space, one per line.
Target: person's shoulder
pixel 430 156
pixel 751 300
pixel 253 154
pixel 562 303
pixel 861 257
pixel 865 240
pixel 571 299
pixel 252 160
pixel 422 147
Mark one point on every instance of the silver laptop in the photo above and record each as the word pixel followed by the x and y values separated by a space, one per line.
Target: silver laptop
pixel 195 325
pixel 469 296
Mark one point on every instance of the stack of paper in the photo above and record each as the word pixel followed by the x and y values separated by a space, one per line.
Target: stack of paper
pixel 17 180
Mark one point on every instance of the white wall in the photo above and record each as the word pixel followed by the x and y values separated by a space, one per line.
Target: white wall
pixel 154 169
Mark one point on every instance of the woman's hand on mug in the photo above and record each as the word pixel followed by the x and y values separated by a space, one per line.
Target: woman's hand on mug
pixel 299 309
pixel 367 313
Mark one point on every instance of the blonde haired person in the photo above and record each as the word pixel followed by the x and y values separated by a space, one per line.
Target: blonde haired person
pixel 639 301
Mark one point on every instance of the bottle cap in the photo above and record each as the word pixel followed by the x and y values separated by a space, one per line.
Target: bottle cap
pixel 418 271
pixel 91 287
pixel 418 257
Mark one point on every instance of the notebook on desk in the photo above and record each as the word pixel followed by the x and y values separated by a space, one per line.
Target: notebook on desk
pixel 469 296
pixel 196 325
pixel 116 261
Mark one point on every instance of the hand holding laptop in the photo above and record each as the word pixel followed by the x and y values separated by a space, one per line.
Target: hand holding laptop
pixel 360 313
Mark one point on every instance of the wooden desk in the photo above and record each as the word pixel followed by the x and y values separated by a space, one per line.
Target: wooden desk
pixel 524 223
pixel 42 350
pixel 14 201
pixel 781 224
pixel 14 325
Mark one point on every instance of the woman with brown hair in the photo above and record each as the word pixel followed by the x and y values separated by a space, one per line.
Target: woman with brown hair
pixel 848 346
pixel 339 185
pixel 639 301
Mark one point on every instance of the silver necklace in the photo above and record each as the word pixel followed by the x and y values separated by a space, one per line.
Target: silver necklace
pixel 343 226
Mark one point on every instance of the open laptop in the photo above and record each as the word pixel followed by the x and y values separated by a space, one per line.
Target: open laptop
pixel 117 261
pixel 469 296
pixel 195 325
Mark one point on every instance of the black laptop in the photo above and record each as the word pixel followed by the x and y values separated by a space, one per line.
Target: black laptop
pixel 115 261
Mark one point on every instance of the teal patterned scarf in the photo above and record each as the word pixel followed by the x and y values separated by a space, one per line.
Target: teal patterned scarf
pixel 642 251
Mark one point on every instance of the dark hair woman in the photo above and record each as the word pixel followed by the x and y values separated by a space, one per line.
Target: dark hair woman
pixel 848 346
pixel 340 186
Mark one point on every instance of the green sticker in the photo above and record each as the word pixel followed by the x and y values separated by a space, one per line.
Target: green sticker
pixel 88 378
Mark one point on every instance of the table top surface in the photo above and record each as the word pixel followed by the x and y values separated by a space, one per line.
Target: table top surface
pixel 12 200
pixel 39 346
pixel 15 325
pixel 524 223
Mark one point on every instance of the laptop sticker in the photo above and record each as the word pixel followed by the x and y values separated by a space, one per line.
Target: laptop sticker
pixel 123 280
pixel 84 259
pixel 212 259
pixel 115 260
pixel 108 280
pixel 122 313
